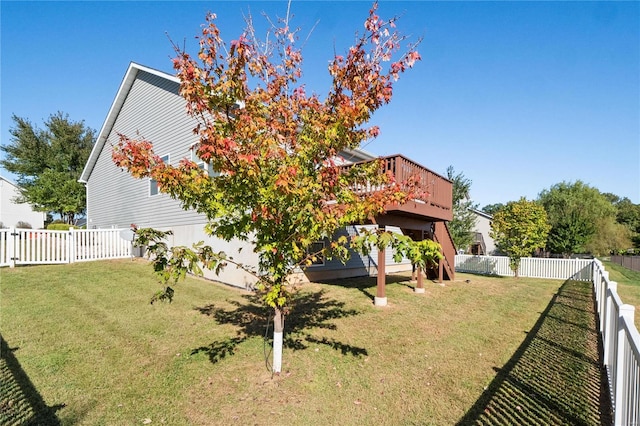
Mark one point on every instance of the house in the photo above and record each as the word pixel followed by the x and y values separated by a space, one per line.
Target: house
pixel 148 104
pixel 483 244
pixel 11 212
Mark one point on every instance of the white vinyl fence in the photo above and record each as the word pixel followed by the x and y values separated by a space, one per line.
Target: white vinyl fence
pixel 40 247
pixel 533 267
pixel 621 343
pixel 620 338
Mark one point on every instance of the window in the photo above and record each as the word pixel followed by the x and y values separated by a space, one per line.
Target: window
pixel 153 184
pixel 316 249
pixel 203 165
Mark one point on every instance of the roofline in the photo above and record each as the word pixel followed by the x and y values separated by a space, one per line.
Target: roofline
pixel 361 153
pixel 123 91
pixel 481 213
pixel 9 181
pixel 116 105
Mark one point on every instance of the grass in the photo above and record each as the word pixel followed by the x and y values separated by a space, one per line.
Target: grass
pixel 628 286
pixel 84 339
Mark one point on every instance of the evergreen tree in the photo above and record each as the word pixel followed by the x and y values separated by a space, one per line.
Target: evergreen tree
pixel 464 220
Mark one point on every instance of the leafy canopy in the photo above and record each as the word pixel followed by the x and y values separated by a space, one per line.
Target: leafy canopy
pixel 48 163
pixel 628 214
pixel 574 211
pixel 275 148
pixel 519 228
pixel 492 208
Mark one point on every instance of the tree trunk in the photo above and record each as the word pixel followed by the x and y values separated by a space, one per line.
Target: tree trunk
pixel 278 331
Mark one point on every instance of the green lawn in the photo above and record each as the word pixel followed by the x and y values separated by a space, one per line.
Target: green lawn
pixel 82 345
pixel 628 285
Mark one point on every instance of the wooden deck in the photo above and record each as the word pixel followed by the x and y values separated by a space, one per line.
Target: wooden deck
pixel 427 212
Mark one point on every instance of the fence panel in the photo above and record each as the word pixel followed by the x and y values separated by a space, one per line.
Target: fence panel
pixel 99 244
pixel 629 262
pixel 628 400
pixel 6 252
pixel 533 267
pixel 40 247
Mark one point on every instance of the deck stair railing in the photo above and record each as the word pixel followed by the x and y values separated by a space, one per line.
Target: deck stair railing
pixel 442 236
pixel 478 239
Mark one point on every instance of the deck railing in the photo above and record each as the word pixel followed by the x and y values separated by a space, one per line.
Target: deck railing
pixel 40 247
pixel 434 188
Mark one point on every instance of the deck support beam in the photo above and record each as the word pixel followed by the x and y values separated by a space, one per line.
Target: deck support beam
pixel 381 295
pixel 420 285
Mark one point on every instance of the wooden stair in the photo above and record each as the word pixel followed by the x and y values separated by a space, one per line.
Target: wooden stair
pixel 446 267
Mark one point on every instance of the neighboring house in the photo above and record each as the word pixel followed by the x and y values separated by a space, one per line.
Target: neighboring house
pixel 11 212
pixel 483 244
pixel 148 104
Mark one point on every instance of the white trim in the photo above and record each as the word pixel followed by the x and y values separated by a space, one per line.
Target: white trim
pixel 483 214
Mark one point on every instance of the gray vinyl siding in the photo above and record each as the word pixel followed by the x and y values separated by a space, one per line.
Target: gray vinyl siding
pixel 152 110
pixel 356 260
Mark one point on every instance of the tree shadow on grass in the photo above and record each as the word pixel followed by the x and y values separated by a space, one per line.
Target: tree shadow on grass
pixel 556 375
pixel 367 284
pixel 20 401
pixel 309 311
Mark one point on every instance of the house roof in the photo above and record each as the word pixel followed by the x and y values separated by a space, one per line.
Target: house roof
pixel 116 106
pixel 483 214
pixel 9 181
pixel 118 102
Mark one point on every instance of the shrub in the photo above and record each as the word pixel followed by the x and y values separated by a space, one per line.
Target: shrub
pixel 60 227
pixel 24 225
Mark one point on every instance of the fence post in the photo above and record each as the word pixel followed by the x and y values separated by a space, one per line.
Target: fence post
pixel 606 318
pixel 627 312
pixel 11 247
pixel 71 252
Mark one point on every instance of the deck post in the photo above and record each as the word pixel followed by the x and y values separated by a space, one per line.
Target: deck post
pixel 420 286
pixel 440 270
pixel 381 296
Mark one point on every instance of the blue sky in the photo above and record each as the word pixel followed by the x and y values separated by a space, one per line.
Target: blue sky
pixel 518 96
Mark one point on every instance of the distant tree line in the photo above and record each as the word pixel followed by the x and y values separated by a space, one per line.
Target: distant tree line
pixel 585 220
pixel 580 219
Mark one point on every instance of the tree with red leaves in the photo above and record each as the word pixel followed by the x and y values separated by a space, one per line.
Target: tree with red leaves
pixel 275 149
